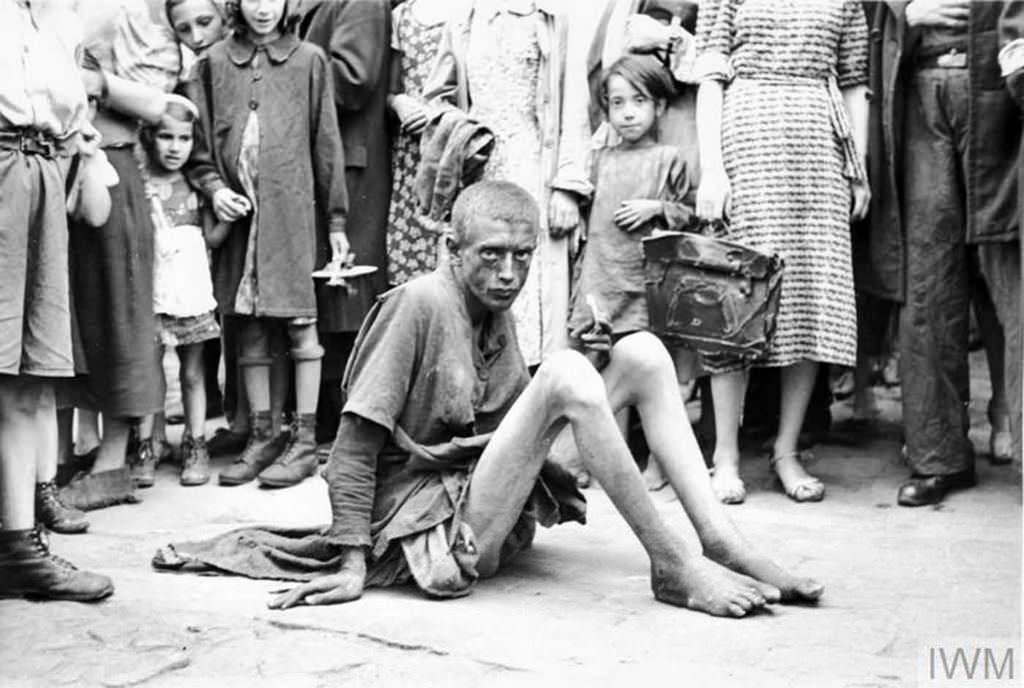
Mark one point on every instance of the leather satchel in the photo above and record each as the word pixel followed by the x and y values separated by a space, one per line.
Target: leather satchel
pixel 711 295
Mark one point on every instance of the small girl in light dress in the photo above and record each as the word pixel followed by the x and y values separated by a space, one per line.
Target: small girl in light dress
pixel 182 288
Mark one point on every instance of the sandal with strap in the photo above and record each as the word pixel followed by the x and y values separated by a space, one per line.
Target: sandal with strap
pixel 809 489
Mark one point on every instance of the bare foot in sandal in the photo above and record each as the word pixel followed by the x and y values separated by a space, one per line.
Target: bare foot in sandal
pixel 798 484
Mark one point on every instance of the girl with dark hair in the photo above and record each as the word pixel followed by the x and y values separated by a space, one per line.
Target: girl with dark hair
pixel 639 186
pixel 269 158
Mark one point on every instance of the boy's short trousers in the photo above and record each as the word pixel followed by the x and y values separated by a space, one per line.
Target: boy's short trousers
pixel 35 315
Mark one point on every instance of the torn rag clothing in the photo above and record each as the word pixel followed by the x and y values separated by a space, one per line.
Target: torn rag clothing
pixel 441 558
pixel 454 149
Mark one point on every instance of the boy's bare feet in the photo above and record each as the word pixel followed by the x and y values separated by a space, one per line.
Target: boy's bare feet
pixel 743 560
pixel 702 585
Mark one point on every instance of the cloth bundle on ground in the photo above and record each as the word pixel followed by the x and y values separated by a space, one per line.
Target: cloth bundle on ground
pixel 453 151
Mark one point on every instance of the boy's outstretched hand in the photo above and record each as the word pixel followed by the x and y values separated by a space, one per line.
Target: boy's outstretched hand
pixel 632 215
pixel 344 586
pixel 331 589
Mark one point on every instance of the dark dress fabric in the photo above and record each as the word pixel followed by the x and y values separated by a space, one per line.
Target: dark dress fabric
pixel 356 36
pixel 112 281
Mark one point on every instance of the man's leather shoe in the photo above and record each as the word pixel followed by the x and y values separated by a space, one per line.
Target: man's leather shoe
pixel 27 569
pixel 921 490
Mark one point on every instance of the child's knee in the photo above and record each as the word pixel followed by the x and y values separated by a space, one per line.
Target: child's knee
pixel 253 344
pixel 192 374
pixel 305 343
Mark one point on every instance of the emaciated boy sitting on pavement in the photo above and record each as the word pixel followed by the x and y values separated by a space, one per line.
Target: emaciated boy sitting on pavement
pixel 438 472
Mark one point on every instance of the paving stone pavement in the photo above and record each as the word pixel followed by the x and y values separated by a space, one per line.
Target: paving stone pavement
pixel 575 610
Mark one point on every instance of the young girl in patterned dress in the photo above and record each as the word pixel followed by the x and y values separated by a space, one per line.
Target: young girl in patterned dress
pixel 182 289
pixel 412 237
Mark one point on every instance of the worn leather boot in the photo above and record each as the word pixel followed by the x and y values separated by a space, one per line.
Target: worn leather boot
pixel 97 490
pixel 195 468
pixel 144 464
pixel 27 569
pixel 54 514
pixel 299 459
pixel 260 451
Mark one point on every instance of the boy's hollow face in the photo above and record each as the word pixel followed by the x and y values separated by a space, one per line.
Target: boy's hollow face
pixel 494 259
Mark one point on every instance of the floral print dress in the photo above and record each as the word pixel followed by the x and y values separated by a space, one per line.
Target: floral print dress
pixel 412 237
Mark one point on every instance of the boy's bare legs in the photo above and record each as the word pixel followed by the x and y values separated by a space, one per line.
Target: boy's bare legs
pixel 640 374
pixel 566 388
pixel 19 408
pixel 47 437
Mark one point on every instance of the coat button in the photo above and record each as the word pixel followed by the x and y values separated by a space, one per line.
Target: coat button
pixel 253 104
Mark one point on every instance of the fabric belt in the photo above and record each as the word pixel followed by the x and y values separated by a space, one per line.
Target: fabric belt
pixel 32 141
pixel 853 166
pixel 954 58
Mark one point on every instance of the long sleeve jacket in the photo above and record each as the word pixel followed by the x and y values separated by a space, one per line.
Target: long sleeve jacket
pixel 993 135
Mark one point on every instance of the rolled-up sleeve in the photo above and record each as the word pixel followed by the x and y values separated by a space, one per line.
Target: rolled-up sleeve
pixel 715 29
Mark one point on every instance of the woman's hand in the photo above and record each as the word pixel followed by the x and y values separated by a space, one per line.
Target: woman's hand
pixel 861 200
pixel 563 213
pixel 632 215
pixel 229 206
pixel 949 14
pixel 714 196
pixel 410 112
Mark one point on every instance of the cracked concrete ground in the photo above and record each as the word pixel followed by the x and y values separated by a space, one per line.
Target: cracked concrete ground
pixel 576 609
